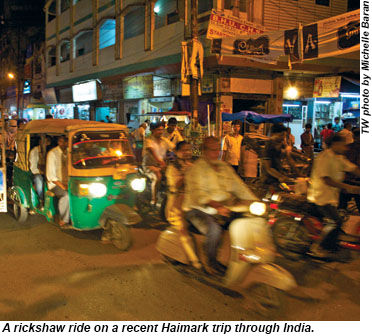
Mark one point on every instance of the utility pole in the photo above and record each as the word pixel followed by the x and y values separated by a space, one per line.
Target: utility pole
pixel 194 82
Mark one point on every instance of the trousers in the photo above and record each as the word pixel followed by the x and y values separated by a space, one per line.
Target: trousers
pixel 63 203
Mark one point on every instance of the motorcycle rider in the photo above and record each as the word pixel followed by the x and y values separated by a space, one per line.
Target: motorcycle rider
pixel 273 155
pixel 171 132
pixel 175 174
pixel 327 178
pixel 210 184
pixel 154 154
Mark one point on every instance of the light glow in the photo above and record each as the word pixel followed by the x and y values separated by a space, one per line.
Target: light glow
pixel 257 208
pixel 292 93
pixel 138 184
pixel 97 189
pixel 11 75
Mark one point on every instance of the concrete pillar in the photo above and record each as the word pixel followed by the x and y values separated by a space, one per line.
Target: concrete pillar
pixel 119 29
pixel 95 49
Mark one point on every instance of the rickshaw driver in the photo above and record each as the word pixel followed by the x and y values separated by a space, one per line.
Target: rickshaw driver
pixel 56 174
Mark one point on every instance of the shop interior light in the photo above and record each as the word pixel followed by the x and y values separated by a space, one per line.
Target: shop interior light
pixel 157 9
pixel 291 105
pixel 349 95
pixel 292 93
pixel 323 102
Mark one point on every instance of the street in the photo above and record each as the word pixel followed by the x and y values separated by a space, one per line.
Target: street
pixel 48 274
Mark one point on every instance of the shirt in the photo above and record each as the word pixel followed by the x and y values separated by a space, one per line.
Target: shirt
pixel 348 135
pixel 232 147
pixel 139 134
pixel 326 133
pixel 55 167
pixel 34 160
pixel 160 148
pixel 337 127
pixel 217 181
pixel 174 137
pixel 333 165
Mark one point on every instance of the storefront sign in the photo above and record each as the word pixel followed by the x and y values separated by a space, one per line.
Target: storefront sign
pixel 138 87
pixel 246 85
pixel 49 96
pixel 226 104
pixel 224 25
pixel 162 87
pixel 84 92
pixel 27 87
pixel 327 87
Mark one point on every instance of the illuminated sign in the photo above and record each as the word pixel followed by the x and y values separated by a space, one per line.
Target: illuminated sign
pixel 27 87
pixel 84 92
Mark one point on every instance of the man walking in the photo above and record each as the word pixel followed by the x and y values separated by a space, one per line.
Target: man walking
pixel 232 146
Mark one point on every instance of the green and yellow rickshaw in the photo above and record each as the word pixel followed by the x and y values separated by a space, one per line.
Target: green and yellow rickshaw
pixel 102 177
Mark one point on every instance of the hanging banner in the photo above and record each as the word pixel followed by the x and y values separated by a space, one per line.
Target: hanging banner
pixel 327 87
pixel 224 25
pixel 267 47
pixel 138 87
pixel 333 36
pixel 329 37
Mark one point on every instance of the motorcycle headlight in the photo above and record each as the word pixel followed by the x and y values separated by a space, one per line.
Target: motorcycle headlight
pixel 138 184
pixel 257 208
pixel 97 189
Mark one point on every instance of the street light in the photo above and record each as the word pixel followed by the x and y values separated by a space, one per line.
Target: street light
pixel 292 93
pixel 11 75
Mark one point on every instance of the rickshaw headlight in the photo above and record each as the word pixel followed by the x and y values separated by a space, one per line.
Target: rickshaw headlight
pixel 257 208
pixel 138 184
pixel 97 189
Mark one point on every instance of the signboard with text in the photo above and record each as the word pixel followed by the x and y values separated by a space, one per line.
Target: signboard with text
pixel 327 87
pixel 224 25
pixel 138 87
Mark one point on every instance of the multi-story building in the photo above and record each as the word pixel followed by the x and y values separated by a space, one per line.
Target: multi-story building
pixel 128 55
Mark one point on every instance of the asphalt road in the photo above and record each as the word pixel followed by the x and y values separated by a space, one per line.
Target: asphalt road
pixel 47 274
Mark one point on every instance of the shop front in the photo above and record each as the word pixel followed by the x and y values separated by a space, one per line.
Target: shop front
pixel 85 96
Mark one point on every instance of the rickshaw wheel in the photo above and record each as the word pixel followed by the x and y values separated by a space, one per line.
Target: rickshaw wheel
pixel 20 212
pixel 121 236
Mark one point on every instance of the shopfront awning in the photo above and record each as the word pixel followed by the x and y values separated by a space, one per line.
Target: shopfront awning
pixel 257 118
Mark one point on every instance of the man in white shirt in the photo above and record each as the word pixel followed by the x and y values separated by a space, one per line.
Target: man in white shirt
pixel 327 179
pixel 56 175
pixel 232 146
pixel 210 184
pixel 34 159
pixel 154 154
pixel 346 133
pixel 172 133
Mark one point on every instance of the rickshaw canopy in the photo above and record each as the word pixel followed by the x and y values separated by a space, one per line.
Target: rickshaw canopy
pixel 257 118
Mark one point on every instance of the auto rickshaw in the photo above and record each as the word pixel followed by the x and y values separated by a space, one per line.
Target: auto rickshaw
pixel 102 177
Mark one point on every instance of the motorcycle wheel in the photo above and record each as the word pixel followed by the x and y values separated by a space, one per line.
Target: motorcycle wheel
pixel 19 211
pixel 291 238
pixel 121 236
pixel 266 299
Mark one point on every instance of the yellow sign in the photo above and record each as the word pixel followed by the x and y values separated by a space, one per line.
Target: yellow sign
pixel 328 87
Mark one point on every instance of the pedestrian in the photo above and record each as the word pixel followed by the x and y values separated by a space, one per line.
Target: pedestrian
pixel 307 141
pixel 337 127
pixel 56 175
pixel 327 178
pixel 108 119
pixel 326 134
pixel 138 136
pixel 232 146
pixel 346 133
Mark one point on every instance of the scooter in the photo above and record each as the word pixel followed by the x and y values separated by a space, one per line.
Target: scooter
pixel 249 254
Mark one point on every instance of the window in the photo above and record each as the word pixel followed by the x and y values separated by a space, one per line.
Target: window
pixel 65 5
pixel 134 23
pixel 52 10
pixel 83 43
pixel 165 13
pixel 107 33
pixel 52 57
pixel 322 2
pixel 205 6
pixel 65 51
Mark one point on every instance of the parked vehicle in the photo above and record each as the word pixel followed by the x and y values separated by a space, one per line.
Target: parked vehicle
pixel 250 253
pixel 103 179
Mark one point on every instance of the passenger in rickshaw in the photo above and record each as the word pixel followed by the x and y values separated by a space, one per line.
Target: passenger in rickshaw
pixel 56 175
pixel 37 160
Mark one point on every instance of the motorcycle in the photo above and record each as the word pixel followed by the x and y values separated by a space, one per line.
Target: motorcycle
pixel 297 224
pixel 250 254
